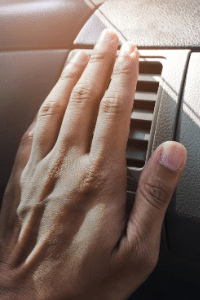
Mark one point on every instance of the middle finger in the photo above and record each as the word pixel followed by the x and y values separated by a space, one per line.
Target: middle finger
pixel 80 117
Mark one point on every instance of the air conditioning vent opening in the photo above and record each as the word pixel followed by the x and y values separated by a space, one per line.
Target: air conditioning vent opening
pixel 142 113
pixel 150 67
pixel 147 86
pixel 137 164
pixel 149 105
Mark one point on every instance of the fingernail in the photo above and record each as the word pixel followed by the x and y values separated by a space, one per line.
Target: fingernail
pixel 173 156
pixel 80 58
pixel 127 48
pixel 106 38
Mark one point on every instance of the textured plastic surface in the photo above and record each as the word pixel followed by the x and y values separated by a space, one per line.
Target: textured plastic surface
pixel 154 23
pixel 183 218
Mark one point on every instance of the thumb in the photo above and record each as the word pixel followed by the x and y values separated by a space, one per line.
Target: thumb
pixel 155 188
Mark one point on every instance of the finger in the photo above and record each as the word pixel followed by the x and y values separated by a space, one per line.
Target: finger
pixel 84 102
pixel 155 189
pixel 24 150
pixel 12 193
pixel 51 113
pixel 112 127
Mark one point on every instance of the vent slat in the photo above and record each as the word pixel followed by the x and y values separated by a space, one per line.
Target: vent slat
pixel 141 135
pixel 145 96
pixel 149 77
pixel 141 114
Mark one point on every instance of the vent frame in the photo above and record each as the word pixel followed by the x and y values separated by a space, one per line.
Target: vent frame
pixel 147 90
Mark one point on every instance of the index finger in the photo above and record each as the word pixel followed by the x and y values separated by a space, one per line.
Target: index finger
pixel 113 122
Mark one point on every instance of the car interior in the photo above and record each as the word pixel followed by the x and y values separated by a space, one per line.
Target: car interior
pixel 38 37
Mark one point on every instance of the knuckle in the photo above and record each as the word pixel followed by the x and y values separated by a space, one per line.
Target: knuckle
pixel 51 108
pixel 113 104
pixel 26 138
pixel 82 94
pixel 88 182
pixel 99 56
pixel 92 177
pixel 70 72
pixel 156 194
pixel 125 68
pixel 21 211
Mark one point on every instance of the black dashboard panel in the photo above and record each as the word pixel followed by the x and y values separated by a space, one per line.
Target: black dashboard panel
pixel 183 218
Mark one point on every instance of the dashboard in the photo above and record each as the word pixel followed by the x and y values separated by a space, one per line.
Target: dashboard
pixel 36 40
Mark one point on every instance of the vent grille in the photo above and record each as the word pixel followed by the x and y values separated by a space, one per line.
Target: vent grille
pixel 150 70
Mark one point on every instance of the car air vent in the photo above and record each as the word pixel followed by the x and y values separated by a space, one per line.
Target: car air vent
pixel 158 91
pixel 142 114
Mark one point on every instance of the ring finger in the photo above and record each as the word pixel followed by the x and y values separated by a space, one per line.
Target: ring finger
pixel 51 112
pixel 80 117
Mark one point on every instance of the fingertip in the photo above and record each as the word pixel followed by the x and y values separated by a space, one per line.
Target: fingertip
pixel 129 48
pixel 173 155
pixel 108 35
pixel 129 53
pixel 108 41
pixel 166 164
pixel 135 53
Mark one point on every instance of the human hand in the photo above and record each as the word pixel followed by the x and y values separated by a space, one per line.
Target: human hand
pixel 63 214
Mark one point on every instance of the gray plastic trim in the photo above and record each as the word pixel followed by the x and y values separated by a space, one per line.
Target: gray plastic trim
pixel 183 217
pixel 168 98
pixel 155 24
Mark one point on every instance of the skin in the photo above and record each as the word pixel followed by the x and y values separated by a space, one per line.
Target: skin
pixel 63 233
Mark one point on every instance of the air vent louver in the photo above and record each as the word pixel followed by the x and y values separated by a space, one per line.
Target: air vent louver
pixel 142 115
